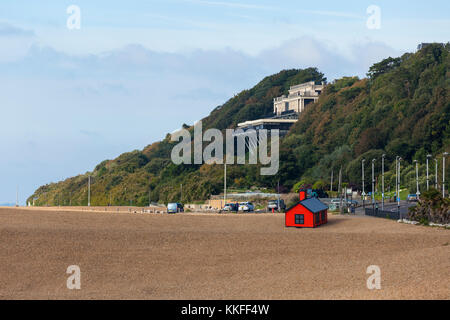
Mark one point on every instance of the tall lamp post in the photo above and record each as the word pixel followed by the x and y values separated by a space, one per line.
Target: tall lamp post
pixel 373 184
pixel 341 207
pixel 398 185
pixel 224 183
pixel 89 191
pixel 331 185
pixel 149 193
pixel 443 173
pixel 396 177
pixel 428 176
pixel 417 179
pixel 435 175
pixel 382 181
pixel 278 191
pixel 363 193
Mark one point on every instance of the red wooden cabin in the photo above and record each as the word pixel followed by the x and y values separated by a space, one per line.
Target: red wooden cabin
pixel 307 213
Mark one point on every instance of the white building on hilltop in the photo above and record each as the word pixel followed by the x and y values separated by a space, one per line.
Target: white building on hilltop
pixel 286 109
pixel 298 98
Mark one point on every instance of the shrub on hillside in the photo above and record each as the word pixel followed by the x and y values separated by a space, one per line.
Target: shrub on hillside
pixel 431 208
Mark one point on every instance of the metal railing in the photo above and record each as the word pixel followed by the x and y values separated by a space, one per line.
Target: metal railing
pixel 394 215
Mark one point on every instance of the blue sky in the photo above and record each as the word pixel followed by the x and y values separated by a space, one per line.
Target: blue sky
pixel 137 70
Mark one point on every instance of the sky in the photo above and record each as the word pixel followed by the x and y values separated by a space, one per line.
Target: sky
pixel 136 70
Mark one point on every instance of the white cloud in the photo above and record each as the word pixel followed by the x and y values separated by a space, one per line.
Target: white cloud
pixel 364 55
pixel 307 51
pixel 9 30
pixel 14 42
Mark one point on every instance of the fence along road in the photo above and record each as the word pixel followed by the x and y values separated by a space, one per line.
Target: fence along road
pixel 390 210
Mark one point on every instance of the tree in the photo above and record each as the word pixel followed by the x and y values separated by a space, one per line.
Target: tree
pixel 384 66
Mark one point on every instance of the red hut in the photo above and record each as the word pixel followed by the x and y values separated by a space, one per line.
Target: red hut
pixel 307 213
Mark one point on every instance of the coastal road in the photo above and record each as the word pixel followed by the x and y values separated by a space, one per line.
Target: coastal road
pixel 390 206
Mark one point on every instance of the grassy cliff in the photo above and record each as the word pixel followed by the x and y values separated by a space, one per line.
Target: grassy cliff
pixel 401 108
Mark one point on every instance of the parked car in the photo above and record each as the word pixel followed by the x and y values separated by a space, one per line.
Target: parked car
pixel 246 206
pixel 412 197
pixel 336 202
pixel 273 205
pixel 353 203
pixel 333 207
pixel 231 207
pixel 175 207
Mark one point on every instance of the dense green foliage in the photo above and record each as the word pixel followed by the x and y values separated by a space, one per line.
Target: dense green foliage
pixel 432 207
pixel 402 109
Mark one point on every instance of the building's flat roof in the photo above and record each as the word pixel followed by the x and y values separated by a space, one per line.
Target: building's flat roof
pixel 265 121
pixel 306 84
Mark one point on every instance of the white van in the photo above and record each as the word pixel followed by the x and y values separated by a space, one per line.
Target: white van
pixel 246 206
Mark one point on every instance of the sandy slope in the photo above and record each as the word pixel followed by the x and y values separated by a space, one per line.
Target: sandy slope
pixel 150 256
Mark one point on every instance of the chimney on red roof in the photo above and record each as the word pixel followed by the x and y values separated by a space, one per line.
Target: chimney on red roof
pixel 302 195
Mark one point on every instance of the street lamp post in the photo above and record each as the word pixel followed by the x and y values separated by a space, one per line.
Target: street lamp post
pixel 150 192
pixel 398 159
pixel 436 174
pixel 382 181
pixel 373 185
pixel 396 178
pixel 443 173
pixel 89 191
pixel 341 207
pixel 278 197
pixel 417 179
pixel 363 193
pixel 224 183
pixel 331 184
pixel 428 177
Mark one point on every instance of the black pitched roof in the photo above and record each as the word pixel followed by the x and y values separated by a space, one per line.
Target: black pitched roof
pixel 312 204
